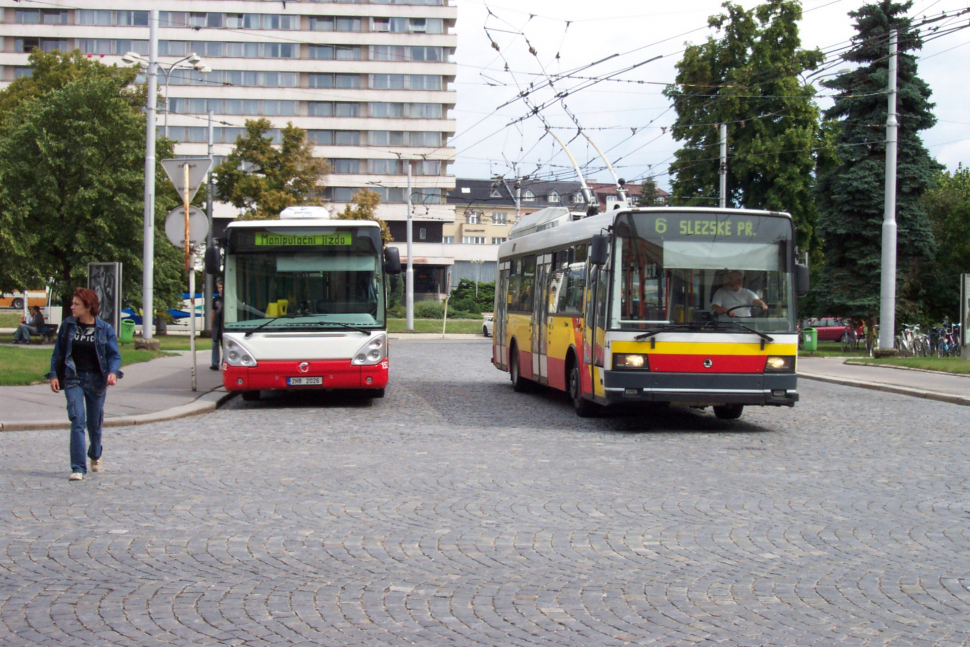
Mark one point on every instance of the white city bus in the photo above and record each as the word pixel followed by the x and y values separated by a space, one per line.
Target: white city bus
pixel 305 304
pixel 618 308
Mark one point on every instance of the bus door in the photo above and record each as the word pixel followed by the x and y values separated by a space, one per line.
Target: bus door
pixel 540 365
pixel 594 334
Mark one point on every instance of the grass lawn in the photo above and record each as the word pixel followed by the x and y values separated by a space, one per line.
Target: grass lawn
pixel 945 364
pixel 9 320
pixel 468 326
pixel 21 366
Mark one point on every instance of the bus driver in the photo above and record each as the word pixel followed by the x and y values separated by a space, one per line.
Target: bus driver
pixel 731 295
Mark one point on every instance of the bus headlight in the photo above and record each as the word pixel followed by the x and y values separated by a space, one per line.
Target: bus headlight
pixel 238 355
pixel 373 352
pixel 628 361
pixel 782 364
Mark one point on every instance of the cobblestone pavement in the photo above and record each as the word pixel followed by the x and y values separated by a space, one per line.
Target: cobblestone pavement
pixel 456 512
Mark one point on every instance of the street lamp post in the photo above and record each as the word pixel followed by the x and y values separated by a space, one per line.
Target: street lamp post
pixel 194 61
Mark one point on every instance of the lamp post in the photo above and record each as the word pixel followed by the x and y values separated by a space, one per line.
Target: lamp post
pixel 194 63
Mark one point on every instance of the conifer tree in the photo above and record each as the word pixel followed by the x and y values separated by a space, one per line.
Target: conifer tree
pixel 851 193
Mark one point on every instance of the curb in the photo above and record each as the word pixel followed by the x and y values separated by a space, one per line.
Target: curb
pixel 888 388
pixel 205 403
pixel 906 368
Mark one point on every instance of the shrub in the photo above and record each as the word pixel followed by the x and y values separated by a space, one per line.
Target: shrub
pixel 429 310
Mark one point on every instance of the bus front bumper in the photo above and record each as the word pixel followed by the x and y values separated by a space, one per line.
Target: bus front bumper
pixel 773 389
pixel 332 374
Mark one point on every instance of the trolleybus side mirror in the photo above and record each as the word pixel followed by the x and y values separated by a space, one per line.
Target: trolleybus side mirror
pixel 599 249
pixel 213 260
pixel 392 260
pixel 801 279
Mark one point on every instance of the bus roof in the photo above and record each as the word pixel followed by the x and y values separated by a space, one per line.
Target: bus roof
pixel 301 223
pixel 583 229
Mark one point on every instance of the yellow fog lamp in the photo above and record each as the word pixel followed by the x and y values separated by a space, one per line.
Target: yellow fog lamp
pixel 780 364
pixel 630 361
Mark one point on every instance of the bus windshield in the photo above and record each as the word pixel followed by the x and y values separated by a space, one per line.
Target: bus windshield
pixel 306 279
pixel 681 268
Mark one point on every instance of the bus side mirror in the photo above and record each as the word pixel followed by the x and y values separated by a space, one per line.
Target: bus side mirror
pixel 392 260
pixel 599 249
pixel 801 279
pixel 213 260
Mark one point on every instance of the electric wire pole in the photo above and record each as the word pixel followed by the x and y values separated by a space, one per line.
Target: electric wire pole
pixel 887 301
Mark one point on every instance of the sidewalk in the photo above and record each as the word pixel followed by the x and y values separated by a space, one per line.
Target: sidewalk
pixel 932 385
pixel 150 392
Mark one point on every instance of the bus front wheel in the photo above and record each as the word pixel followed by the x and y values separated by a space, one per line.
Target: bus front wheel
pixel 584 408
pixel 250 396
pixel 519 383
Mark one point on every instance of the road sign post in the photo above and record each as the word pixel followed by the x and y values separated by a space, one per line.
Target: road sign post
pixel 186 228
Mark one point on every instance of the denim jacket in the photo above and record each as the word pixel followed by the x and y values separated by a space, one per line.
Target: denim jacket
pixel 105 345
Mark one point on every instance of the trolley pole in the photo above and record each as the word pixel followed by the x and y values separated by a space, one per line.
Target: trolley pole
pixel 148 246
pixel 887 303
pixel 409 276
pixel 723 170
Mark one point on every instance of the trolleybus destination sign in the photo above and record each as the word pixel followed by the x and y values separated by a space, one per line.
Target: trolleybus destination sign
pixel 701 225
pixel 303 240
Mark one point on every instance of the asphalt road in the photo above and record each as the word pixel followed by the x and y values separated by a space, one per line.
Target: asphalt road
pixel 456 512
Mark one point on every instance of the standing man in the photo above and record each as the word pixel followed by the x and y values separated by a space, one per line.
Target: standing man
pixel 216 325
pixel 732 299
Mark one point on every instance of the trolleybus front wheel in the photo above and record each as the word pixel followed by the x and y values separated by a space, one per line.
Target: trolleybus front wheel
pixel 729 411
pixel 584 408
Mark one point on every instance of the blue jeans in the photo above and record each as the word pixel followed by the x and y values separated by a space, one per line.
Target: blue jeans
pixel 85 407
pixel 24 332
pixel 216 343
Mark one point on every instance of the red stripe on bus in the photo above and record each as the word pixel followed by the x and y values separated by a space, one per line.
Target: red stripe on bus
pixel 718 363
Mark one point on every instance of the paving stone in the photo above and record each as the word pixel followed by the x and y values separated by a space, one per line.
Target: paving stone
pixel 455 511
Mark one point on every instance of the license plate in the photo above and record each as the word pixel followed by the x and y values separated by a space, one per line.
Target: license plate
pixel 304 381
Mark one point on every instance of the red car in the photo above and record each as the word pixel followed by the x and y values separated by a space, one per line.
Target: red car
pixel 832 329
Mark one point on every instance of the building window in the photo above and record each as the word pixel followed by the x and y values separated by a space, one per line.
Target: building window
pixel 499 218
pixel 472 218
pixel 448 240
pixel 28 16
pixel 498 241
pixel 553 197
pixel 473 240
pixel 528 196
pixel 422 233
pixel 345 166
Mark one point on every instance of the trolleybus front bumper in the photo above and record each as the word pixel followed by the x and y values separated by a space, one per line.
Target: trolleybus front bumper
pixel 701 388
pixel 333 374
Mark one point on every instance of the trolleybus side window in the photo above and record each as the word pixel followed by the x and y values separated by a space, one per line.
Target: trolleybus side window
pixel 521 288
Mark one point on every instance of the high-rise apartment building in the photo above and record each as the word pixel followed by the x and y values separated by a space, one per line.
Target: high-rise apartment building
pixel 371 81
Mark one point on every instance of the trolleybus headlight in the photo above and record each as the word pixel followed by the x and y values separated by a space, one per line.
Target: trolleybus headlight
pixel 624 361
pixel 783 364
pixel 373 352
pixel 238 355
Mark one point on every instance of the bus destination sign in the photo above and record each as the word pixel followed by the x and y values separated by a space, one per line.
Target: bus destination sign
pixel 687 226
pixel 276 239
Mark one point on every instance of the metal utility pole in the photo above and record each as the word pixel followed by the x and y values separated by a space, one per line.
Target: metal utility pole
pixel 409 276
pixel 887 303
pixel 723 170
pixel 148 250
pixel 209 279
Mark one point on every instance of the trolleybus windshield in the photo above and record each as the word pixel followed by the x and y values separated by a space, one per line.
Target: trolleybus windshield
pixel 671 268
pixel 298 279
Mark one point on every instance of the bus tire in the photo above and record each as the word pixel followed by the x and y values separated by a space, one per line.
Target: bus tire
pixel 729 411
pixel 250 396
pixel 519 383
pixel 17 303
pixel 376 393
pixel 584 408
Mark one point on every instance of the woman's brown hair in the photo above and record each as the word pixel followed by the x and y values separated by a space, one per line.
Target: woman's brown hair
pixel 90 300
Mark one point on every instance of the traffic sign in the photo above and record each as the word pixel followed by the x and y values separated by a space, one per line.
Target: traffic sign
pixel 175 169
pixel 175 226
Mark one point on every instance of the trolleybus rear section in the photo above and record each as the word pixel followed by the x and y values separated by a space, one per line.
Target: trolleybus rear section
pixel 690 306
pixel 305 305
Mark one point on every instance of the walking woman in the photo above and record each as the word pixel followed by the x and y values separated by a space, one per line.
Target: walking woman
pixel 85 363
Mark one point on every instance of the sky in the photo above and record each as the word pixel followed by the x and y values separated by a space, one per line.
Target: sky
pixel 628 117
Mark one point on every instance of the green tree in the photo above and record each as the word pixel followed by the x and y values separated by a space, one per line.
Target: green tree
pixel 851 193
pixel 947 205
pixel 483 297
pixel 72 159
pixel 648 193
pixel 749 79
pixel 363 206
pixel 261 179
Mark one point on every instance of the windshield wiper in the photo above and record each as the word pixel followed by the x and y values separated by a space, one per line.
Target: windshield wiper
pixel 249 333
pixel 694 325
pixel 340 323
pixel 764 337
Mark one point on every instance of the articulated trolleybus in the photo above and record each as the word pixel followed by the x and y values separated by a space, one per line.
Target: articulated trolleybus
pixel 657 305
pixel 305 304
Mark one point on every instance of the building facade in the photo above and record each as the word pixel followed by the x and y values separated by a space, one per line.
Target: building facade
pixel 371 81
